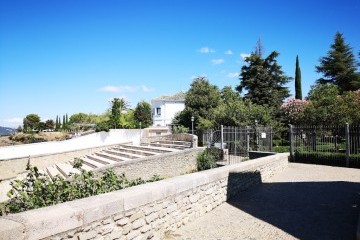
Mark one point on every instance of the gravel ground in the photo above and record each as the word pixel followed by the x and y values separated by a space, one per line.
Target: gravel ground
pixel 303 202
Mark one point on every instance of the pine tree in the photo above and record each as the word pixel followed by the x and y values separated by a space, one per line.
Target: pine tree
pixel 264 80
pixel 339 66
pixel 67 122
pixel 298 91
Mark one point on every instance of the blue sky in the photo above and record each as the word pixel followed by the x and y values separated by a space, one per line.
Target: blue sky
pixel 59 57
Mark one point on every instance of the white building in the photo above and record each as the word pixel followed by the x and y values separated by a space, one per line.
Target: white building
pixel 164 108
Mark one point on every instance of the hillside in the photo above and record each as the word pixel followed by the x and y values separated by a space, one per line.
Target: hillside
pixel 7 131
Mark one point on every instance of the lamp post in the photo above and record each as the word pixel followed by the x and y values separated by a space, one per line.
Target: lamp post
pixel 192 125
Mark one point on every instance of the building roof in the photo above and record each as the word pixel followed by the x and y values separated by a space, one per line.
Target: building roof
pixel 180 96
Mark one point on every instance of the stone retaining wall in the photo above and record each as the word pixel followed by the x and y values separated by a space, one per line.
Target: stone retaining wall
pixel 10 168
pixel 147 211
pixel 165 165
pixel 172 137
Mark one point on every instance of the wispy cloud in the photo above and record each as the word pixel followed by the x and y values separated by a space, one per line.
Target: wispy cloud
pixel 206 50
pixel 109 89
pixel 146 89
pixel 217 61
pixel 125 88
pixel 244 55
pixel 233 75
pixel 229 52
pixel 14 120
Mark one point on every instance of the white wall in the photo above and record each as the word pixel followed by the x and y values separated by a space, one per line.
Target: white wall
pixel 92 140
pixel 168 111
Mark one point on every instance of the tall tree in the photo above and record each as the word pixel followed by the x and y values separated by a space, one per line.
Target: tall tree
pixel 31 121
pixel 298 91
pixel 339 66
pixel 142 113
pixel 259 49
pixel 117 106
pixel 264 80
pixel 200 102
pixel 64 123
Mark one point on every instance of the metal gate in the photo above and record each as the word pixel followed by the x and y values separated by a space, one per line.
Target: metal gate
pixel 237 142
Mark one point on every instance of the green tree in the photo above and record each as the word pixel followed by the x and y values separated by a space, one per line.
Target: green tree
pixel 57 125
pixel 142 113
pixel 339 66
pixel 263 80
pixel 64 123
pixel 49 124
pixel 298 91
pixel 200 102
pixel 31 122
pixel 117 106
pixel 79 118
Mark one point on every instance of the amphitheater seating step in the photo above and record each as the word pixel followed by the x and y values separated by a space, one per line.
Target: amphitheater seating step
pixel 146 147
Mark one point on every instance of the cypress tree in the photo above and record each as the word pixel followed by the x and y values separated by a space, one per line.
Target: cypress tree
pixel 64 123
pixel 67 122
pixel 298 92
pixel 57 123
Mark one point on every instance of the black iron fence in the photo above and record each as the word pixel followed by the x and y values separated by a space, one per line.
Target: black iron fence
pixel 237 142
pixel 328 145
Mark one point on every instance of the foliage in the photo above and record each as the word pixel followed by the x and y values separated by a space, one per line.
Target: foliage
pixel 327 107
pixel 205 161
pixel 200 101
pixel 31 122
pixel 327 158
pixel 38 190
pixel 127 120
pixel 293 110
pixel 263 80
pixel 49 124
pixel 339 66
pixel 217 153
pixel 142 113
pixel 179 129
pixel 298 91
pixel 118 105
pixel 103 126
pixel 281 149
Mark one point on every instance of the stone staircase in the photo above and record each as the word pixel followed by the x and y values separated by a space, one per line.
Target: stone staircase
pixel 180 145
pixel 113 155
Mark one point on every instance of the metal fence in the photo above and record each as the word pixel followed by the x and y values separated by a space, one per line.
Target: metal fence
pixel 330 145
pixel 238 141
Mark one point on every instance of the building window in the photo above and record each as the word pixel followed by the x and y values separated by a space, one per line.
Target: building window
pixel 158 111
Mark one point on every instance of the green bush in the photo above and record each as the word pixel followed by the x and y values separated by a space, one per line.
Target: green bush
pixel 38 190
pixel 179 129
pixel 103 126
pixel 327 158
pixel 205 161
pixel 281 149
pixel 217 153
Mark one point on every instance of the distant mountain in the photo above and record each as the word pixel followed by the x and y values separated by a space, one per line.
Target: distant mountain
pixel 7 131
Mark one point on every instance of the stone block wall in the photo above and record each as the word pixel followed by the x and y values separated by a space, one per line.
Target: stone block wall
pixel 149 211
pixel 165 165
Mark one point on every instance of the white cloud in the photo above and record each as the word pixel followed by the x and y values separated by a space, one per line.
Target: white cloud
pixel 206 50
pixel 229 52
pixel 217 61
pixel 125 88
pixel 146 89
pixel 244 55
pixel 233 75
pixel 109 89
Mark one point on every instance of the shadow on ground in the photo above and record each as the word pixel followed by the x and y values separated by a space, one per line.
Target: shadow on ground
pixel 305 210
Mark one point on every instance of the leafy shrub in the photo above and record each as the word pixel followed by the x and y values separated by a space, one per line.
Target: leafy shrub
pixel 327 158
pixel 205 161
pixel 217 153
pixel 102 126
pixel 180 129
pixel 281 149
pixel 39 190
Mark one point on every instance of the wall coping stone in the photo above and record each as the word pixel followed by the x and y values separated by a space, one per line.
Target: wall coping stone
pixel 48 221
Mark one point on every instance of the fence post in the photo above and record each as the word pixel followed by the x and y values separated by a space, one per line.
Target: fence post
pixel 291 143
pixel 222 137
pixel 347 136
pixel 271 138
pixel 247 140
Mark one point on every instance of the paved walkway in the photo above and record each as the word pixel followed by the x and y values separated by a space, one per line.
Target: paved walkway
pixel 303 202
